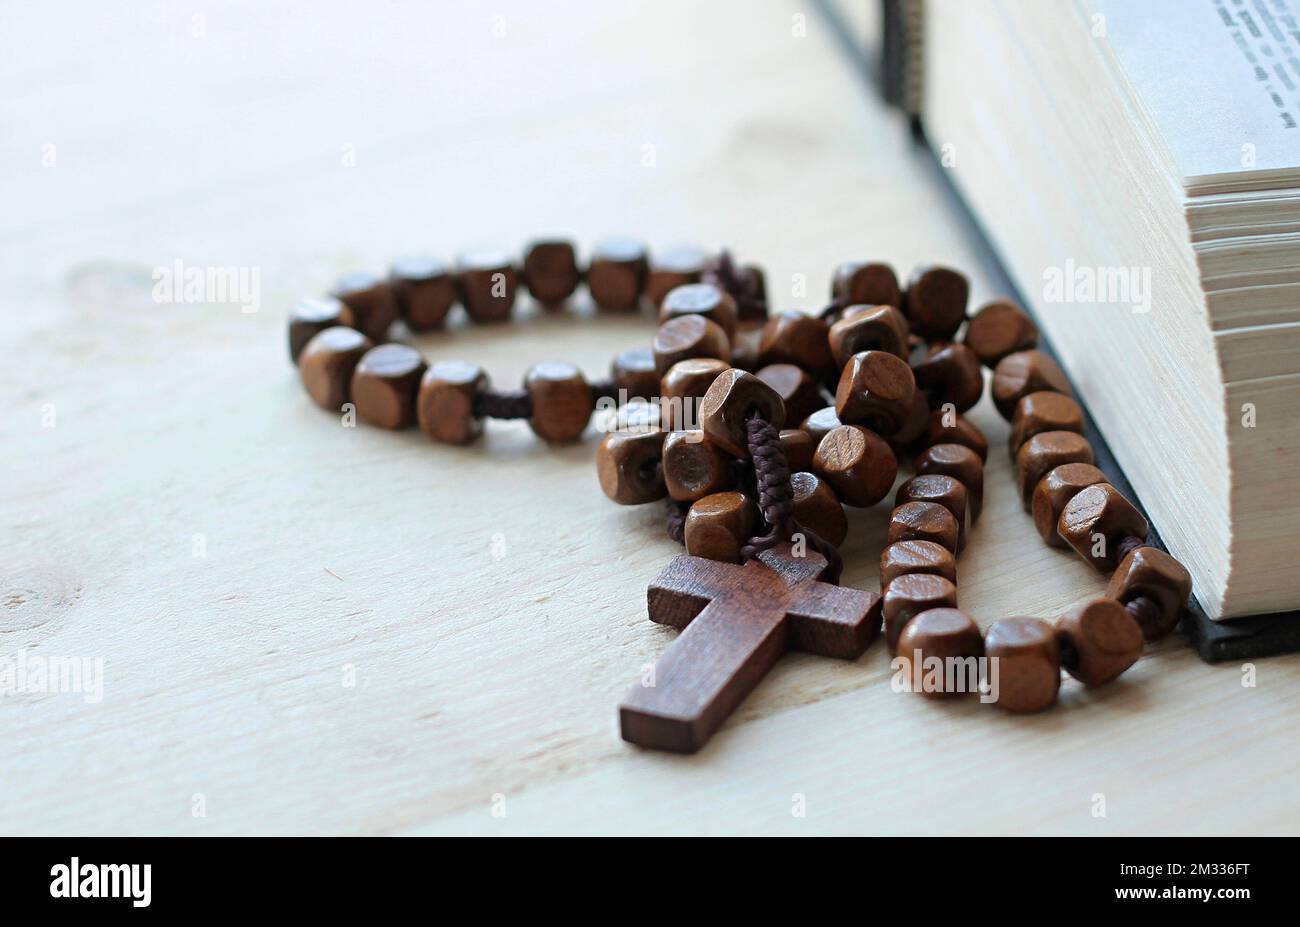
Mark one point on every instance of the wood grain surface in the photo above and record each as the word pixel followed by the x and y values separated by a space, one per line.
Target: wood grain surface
pixel 309 628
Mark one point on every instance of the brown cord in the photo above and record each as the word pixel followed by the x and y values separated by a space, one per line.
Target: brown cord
pixel 676 520
pixel 1129 544
pixel 517 403
pixel 776 498
pixel 1146 611
pixel 742 287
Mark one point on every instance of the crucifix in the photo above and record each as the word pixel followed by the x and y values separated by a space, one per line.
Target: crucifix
pixel 736 620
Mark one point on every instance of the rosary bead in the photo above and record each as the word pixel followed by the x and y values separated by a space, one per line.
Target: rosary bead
pixel 1151 573
pixel 426 291
pixel 868 328
pixel 916 423
pixel 695 467
pixel 744 350
pixel 682 388
pixel 924 521
pixel 798 447
pixel 947 427
pixel 1096 520
pixel 908 596
pixel 326 364
pixel 818 509
pixel 1028 663
pixel 797 338
pixel 673 268
pixel 798 391
pixel 308 319
pixel 488 281
pixel 718 526
pixel 1098 641
pixel 876 389
pixel 1044 452
pixel 385 383
pixel 688 336
pixel 936 302
pixel 730 402
pixel 962 464
pixel 947 635
pixel 617 274
pixel 634 371
pixel 1043 411
pixel 369 303
pixel 1000 328
pixel 445 405
pixel 629 466
pixel 701 299
pixel 902 557
pixel 562 401
pixel 950 374
pixel 859 283
pixel 1053 491
pixel 857 463
pixel 551 271
pixel 941 490
pixel 1024 372
pixel 820 424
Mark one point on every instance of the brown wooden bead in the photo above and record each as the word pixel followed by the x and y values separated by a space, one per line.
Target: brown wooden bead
pixel 385 383
pixel 369 303
pixel 798 447
pixel 683 387
pixel 797 338
pixel 629 465
pixel 562 401
pixel 820 424
pixel 326 364
pixel 730 402
pixel 1028 663
pixel 818 509
pixel 962 464
pixel 1000 328
pixel 1052 493
pixel 915 425
pixel 1043 411
pixel 1096 520
pixel 488 283
pixel 946 635
pixel 309 318
pixel 924 521
pixel 865 283
pixel 551 271
pixel 744 350
pixel 634 371
pixel 914 556
pixel 908 595
pixel 948 427
pixel 799 392
pixel 689 336
pixel 1024 372
pixel 718 526
pixel 695 467
pixel 876 390
pixel 951 374
pixel 616 277
pixel 1148 572
pixel 700 299
pixel 857 463
pixel 1043 453
pixel 426 291
pixel 941 490
pixel 936 301
pixel 445 405
pixel 673 268
pixel 868 328
pixel 1098 641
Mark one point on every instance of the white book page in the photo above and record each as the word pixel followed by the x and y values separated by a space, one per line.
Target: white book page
pixel 1221 78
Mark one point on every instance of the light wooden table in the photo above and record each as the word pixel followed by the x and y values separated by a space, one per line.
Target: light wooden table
pixel 308 628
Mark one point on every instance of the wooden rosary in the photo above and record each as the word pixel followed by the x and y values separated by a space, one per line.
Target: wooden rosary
pixel 759 507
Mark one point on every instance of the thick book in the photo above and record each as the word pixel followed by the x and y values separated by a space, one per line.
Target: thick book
pixel 1136 166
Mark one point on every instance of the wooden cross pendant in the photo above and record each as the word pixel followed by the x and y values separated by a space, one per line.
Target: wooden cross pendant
pixel 735 621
